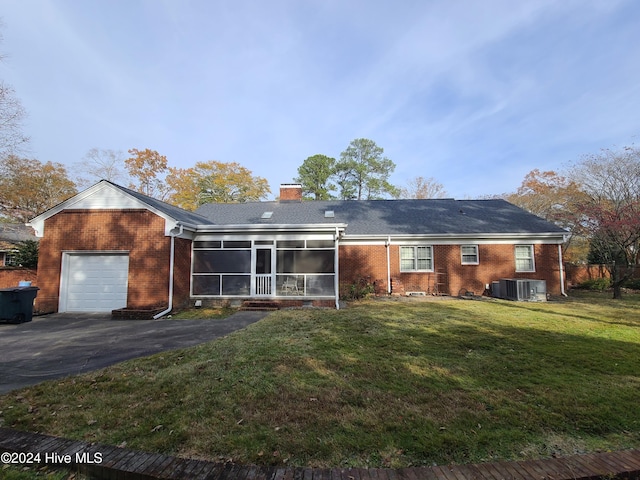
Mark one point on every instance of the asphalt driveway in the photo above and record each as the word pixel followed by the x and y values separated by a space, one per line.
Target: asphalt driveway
pixel 59 345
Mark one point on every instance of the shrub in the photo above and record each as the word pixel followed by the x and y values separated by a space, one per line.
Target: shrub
pixel 596 284
pixel 633 284
pixel 27 254
pixel 359 289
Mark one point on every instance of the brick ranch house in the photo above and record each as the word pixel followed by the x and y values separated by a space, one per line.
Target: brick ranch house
pixel 109 248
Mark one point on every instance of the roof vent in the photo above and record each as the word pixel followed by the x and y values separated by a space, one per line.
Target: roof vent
pixel 267 215
pixel 329 214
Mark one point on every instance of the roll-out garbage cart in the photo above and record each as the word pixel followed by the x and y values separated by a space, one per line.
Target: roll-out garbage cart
pixel 16 304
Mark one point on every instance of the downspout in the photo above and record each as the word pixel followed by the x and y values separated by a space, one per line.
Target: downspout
pixel 336 269
pixel 388 245
pixel 172 255
pixel 562 292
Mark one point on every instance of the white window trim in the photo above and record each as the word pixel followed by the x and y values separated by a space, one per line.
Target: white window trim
pixel 415 258
pixel 477 254
pixel 10 260
pixel 532 257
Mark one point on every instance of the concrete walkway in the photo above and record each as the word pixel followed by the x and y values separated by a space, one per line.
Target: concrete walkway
pixel 59 345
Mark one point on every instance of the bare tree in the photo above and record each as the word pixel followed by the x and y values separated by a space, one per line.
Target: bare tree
pixel 102 164
pixel 420 187
pixel 12 116
pixel 611 181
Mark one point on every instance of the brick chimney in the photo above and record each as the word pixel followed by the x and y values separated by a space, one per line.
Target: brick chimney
pixel 290 192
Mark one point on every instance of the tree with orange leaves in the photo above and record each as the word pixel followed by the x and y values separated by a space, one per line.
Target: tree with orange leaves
pixel 147 167
pixel 29 187
pixel 212 181
pixel 556 198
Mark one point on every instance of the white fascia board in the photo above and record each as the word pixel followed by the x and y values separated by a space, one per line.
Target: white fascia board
pixel 270 228
pixel 456 239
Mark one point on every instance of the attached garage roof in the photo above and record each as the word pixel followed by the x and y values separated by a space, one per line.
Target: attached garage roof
pixel 172 211
pixel 108 195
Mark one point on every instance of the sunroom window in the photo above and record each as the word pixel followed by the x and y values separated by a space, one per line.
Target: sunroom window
pixel 305 267
pixel 262 267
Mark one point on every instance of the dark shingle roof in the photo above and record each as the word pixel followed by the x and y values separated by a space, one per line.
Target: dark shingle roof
pixel 16 232
pixel 178 213
pixel 389 217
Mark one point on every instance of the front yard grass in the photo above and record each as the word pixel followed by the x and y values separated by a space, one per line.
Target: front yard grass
pixel 381 383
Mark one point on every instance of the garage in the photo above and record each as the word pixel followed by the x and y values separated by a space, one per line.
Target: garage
pixel 93 282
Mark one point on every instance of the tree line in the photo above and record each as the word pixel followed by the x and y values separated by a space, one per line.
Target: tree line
pixel 597 200
pixel 30 187
pixel 361 173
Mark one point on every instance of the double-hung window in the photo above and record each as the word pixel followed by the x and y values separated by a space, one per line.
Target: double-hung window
pixel 524 258
pixel 416 258
pixel 469 254
pixel 9 259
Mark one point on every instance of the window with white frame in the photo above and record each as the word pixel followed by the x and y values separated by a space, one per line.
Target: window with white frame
pixel 524 258
pixel 8 259
pixel 469 254
pixel 416 258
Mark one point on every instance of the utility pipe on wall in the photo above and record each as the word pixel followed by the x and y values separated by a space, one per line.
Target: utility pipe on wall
pixel 388 245
pixel 561 271
pixel 336 269
pixel 172 255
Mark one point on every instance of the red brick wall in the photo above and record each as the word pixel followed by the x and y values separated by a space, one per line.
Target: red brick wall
pixel 139 232
pixel 451 277
pixel 290 192
pixel 10 277
pixel 364 261
pixel 182 273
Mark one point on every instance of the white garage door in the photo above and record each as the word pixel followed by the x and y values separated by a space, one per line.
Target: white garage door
pixel 94 282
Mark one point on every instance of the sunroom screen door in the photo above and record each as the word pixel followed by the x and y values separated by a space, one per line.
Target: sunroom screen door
pixel 264 272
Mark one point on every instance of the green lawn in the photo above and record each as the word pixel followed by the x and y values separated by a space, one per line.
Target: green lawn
pixel 34 472
pixel 381 383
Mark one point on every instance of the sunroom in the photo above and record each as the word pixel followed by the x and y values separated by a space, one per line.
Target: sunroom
pixel 277 262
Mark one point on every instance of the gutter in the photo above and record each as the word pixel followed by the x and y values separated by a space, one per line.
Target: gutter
pixel 456 237
pixel 336 268
pixel 388 245
pixel 562 292
pixel 269 227
pixel 172 256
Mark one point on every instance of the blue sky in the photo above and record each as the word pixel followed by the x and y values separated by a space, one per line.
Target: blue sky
pixel 473 93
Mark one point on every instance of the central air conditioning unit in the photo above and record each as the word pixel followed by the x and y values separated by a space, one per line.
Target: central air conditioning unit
pixel 522 289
